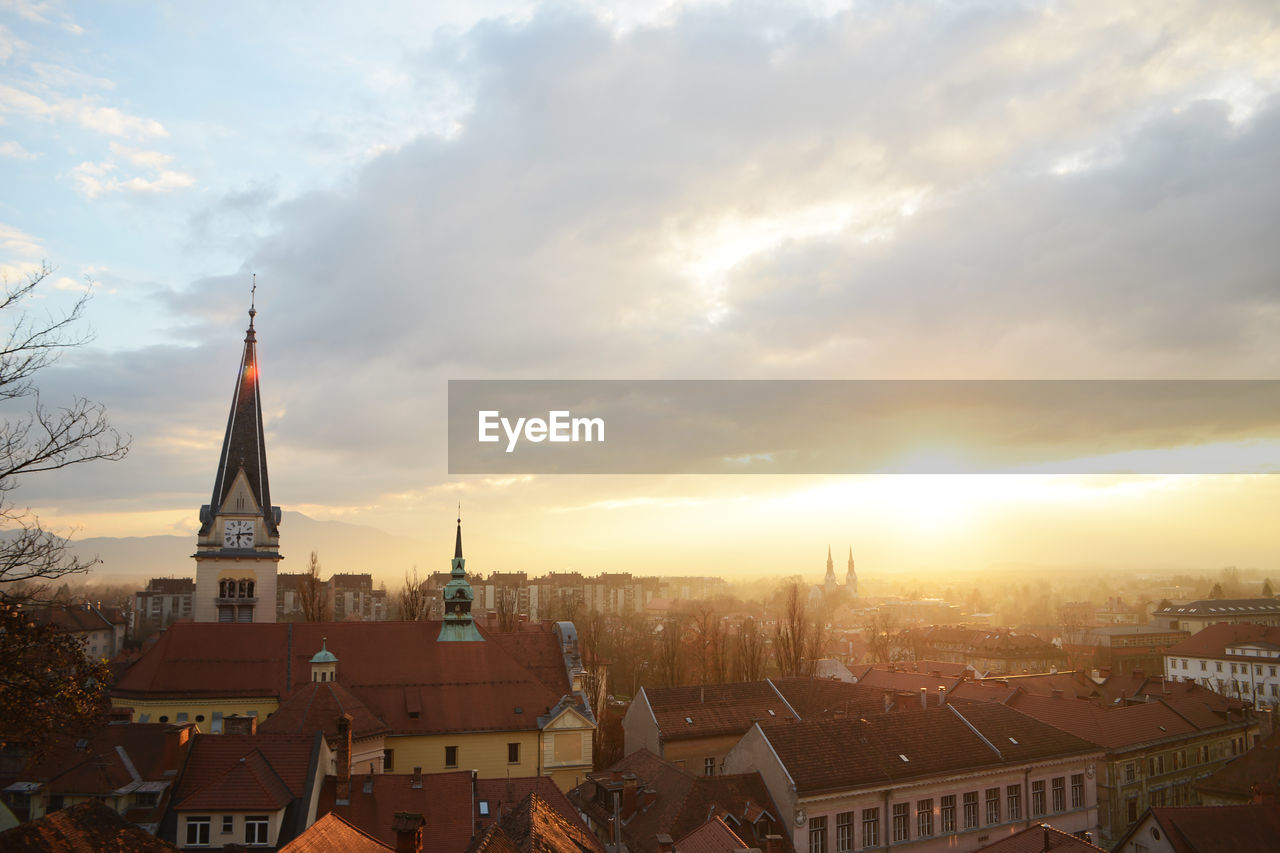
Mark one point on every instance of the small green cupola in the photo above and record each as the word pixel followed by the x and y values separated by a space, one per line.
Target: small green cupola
pixel 324 663
pixel 458 596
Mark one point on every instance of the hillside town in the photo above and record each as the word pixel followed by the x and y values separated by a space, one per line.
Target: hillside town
pixel 249 709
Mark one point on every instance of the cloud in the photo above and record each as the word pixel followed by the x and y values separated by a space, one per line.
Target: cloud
pixel 82 110
pixel 10 148
pixel 96 179
pixel 747 192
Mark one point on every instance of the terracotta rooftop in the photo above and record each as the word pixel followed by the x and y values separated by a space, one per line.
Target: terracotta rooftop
pixel 1042 838
pixel 444 800
pixel 533 826
pixel 332 834
pixel 70 617
pixel 674 801
pixel 827 697
pixel 115 758
pixel 1212 640
pixel 88 827
pixel 502 684
pixel 1215 829
pixel 1120 726
pixel 317 707
pixel 714 836
pixel 714 709
pixel 1260 767
pixel 823 755
pixel 242 772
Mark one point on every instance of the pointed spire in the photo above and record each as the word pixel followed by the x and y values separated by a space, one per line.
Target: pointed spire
pixel 243 446
pixel 457 545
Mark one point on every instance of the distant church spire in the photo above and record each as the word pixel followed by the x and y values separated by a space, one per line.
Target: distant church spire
pixel 829 582
pixel 458 598
pixel 851 577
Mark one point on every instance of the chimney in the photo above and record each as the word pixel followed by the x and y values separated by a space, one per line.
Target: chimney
pixel 239 724
pixel 629 785
pixel 417 778
pixel 924 697
pixel 175 738
pixel 942 696
pixel 342 791
pixel 773 844
pixel 408 829
pixel 665 844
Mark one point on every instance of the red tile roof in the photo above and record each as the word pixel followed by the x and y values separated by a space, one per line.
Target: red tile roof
pixel 241 772
pixel 502 684
pixel 88 827
pixel 1217 829
pixel 533 826
pixel 676 801
pixel 714 836
pixel 714 709
pixel 113 758
pixel 1040 839
pixel 1119 726
pixel 828 755
pixel 1259 766
pixel 1212 640
pixel 444 800
pixel 317 707
pixel 249 783
pixel 332 834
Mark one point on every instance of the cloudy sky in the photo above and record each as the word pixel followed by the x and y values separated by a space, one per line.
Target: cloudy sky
pixel 739 190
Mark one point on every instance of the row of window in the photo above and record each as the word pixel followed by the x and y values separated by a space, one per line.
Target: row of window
pixel 1236 669
pixel 450 757
pixel 215 725
pixel 946 814
pixel 257 830
pixel 1180 759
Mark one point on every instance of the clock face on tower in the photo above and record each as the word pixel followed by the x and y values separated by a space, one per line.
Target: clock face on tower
pixel 238 533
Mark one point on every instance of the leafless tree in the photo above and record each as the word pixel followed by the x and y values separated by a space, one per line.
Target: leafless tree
pixel 414 605
pixel 47 684
pixel 750 655
pixel 671 651
pixel 882 633
pixel 506 604
pixel 41 437
pixel 314 595
pixel 711 645
pixel 799 640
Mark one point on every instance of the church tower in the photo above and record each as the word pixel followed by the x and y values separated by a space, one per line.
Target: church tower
pixel 851 577
pixel 238 545
pixel 458 597
pixel 829 582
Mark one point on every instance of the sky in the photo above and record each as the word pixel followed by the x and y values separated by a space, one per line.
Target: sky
pixel 698 190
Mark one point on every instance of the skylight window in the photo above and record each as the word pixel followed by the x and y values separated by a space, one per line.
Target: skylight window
pixel 689 720
pixel 903 757
pixel 1013 741
pixel 771 714
pixel 484 808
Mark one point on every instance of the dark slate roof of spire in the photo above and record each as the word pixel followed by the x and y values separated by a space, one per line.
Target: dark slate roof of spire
pixel 243 445
pixel 457 548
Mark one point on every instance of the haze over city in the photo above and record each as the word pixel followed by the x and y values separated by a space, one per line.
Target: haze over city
pixel 648 191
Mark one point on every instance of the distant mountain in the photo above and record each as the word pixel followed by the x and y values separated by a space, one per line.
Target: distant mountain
pixel 342 547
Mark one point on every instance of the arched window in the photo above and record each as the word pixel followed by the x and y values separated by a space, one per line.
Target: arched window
pixel 248 585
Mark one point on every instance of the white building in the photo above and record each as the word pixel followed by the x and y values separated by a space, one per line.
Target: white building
pixel 1237 660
